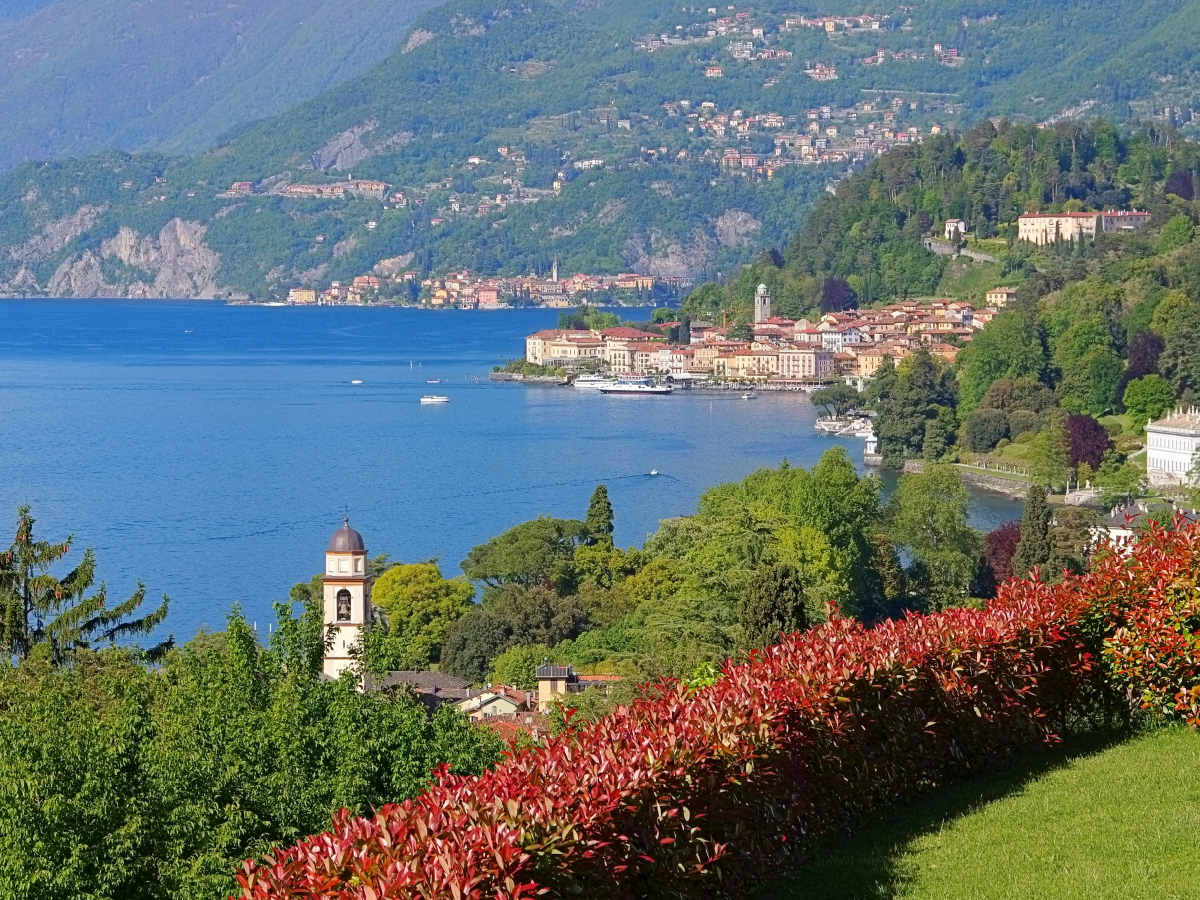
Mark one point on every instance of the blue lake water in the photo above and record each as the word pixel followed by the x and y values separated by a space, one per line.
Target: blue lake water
pixel 210 450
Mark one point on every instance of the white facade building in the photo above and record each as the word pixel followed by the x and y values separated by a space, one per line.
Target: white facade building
pixel 1171 445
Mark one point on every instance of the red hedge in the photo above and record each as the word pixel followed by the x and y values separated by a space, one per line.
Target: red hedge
pixel 690 792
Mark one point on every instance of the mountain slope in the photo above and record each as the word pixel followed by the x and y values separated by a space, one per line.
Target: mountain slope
pixel 82 76
pixel 508 133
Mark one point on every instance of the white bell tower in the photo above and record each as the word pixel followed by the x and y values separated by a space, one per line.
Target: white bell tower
pixel 347 597
pixel 762 304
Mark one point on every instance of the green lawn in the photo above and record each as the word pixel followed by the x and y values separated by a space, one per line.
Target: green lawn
pixel 1091 822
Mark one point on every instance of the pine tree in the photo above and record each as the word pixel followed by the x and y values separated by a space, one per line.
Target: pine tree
pixel 772 604
pixel 1035 547
pixel 600 515
pixel 37 608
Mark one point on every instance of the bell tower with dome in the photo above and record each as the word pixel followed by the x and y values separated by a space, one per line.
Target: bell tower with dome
pixel 347 597
pixel 762 304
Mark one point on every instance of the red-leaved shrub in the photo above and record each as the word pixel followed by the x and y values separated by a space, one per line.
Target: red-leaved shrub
pixel 695 792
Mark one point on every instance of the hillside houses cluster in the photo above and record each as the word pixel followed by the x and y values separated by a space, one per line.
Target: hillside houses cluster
pixel 853 343
pixel 466 290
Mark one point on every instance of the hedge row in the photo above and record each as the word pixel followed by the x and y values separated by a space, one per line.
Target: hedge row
pixel 691 793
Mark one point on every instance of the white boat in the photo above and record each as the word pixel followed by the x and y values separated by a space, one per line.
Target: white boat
pixel 434 398
pixel 593 382
pixel 357 381
pixel 635 386
pixel 433 381
pixel 749 396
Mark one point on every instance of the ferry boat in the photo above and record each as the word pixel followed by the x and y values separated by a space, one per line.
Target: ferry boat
pixel 434 398
pixel 636 386
pixel 593 382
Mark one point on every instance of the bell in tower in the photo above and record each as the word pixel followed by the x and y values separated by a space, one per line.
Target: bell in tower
pixel 762 304
pixel 347 601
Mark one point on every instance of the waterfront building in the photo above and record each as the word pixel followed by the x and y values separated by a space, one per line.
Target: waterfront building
pixel 1171 445
pixel 347 598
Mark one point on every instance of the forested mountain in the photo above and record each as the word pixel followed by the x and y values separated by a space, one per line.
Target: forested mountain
pixel 596 132
pixel 83 76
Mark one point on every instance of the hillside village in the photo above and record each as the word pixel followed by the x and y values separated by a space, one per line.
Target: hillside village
pixel 852 343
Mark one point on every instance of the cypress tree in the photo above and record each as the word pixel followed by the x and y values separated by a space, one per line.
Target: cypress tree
pixel 600 515
pixel 772 604
pixel 1035 547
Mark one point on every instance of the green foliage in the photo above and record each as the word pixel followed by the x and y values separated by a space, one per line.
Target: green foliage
pixel 1117 479
pixel 1010 347
pixel 1175 234
pixel 535 552
pixel 921 394
pixel 420 606
pixel 36 608
pixel 518 665
pixel 984 429
pixel 837 399
pixel 1177 321
pixel 1049 456
pixel 118 781
pixel 1035 548
pixel 1146 399
pixel 599 519
pixel 927 518
pixel 513 615
pixel 771 605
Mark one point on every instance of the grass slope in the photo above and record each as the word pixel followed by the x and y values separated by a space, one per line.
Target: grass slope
pixel 1090 821
pixel 81 76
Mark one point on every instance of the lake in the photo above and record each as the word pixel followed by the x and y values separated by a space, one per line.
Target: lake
pixel 211 450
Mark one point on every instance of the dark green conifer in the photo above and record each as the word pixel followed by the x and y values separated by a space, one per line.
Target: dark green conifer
pixel 1035 547
pixel 772 604
pixel 600 515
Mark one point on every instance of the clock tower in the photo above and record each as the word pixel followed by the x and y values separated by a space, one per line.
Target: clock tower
pixel 347 597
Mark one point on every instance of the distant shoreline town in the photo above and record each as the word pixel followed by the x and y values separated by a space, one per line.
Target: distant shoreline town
pixel 844 345
pixel 466 290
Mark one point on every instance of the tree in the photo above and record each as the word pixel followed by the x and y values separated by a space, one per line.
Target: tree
pixel 518 665
pixel 1147 399
pixel 1177 321
pixel 837 399
pixel 1010 347
pixel 999 546
pixel 984 429
pixel 600 515
pixel 889 599
pixel 1090 382
pixel 1175 233
pixel 1035 547
pixel 927 517
pixel 1049 462
pixel 514 616
pixel 939 434
pixel 533 552
pixel 772 604
pixel 837 295
pixel 921 389
pixel 420 606
pixel 1087 440
pixel 1071 536
pixel 1144 351
pixel 37 608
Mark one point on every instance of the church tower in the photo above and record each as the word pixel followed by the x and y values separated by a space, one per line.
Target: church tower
pixel 762 304
pixel 554 270
pixel 347 597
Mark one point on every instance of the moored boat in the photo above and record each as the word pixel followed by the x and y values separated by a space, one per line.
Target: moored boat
pixel 635 386
pixel 593 382
pixel 434 398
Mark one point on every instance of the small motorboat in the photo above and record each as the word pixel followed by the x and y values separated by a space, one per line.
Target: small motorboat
pixel 749 395
pixel 357 381
pixel 654 471
pixel 434 398
pixel 433 381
